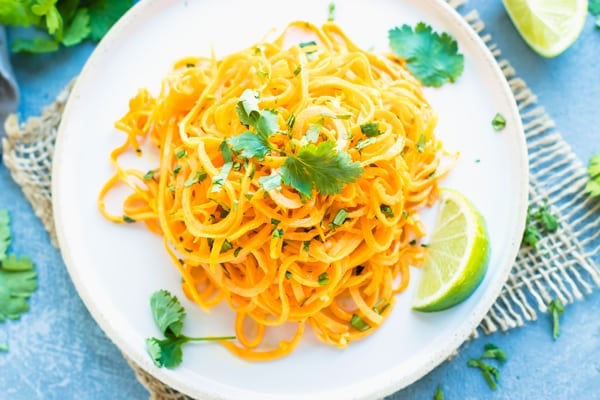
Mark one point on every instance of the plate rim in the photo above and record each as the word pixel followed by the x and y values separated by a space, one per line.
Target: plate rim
pixel 385 384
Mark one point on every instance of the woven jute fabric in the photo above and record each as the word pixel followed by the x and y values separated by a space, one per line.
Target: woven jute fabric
pixel 563 266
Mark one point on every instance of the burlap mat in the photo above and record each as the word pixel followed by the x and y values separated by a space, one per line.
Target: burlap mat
pixel 562 267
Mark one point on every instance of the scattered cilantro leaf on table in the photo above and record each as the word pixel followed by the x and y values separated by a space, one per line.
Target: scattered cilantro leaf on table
pixel 556 308
pixel 430 57
pixel 594 7
pixel 18 278
pixel 593 185
pixel 498 122
pixel 438 394
pixel 169 314
pixel 539 221
pixel 490 373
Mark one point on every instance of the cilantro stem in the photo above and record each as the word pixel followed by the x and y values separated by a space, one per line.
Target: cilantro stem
pixel 207 338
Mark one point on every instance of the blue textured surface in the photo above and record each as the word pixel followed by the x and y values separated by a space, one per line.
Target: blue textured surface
pixel 58 352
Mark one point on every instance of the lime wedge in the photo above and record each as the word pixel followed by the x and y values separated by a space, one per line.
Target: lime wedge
pixel 457 255
pixel 548 26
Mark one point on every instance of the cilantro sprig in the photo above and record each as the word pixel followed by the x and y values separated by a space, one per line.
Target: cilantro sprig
pixel 169 314
pixel 490 373
pixel 594 9
pixel 539 221
pixel 61 22
pixel 556 308
pixel 18 278
pixel 430 57
pixel 314 167
pixel 593 185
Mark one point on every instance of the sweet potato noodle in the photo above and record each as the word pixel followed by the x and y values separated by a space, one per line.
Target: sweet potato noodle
pixel 279 257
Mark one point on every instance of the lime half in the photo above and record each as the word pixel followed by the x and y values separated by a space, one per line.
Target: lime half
pixel 457 255
pixel 548 26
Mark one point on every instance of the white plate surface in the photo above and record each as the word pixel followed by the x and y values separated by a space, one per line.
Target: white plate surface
pixel 115 268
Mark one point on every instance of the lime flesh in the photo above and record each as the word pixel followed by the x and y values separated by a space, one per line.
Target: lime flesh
pixel 457 255
pixel 549 27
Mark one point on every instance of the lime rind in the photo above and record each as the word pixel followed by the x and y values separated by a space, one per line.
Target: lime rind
pixel 442 287
pixel 549 28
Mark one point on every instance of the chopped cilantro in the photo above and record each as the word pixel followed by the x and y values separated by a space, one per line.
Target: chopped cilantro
pixel 198 177
pixel 489 372
pixel 358 323
pixel 298 70
pixel 128 219
pixel 494 352
pixel 176 169
pixel 594 7
pixel 150 174
pixel 169 314
pixel 556 308
pixel 430 57
pixel 288 275
pixel 339 218
pixel 537 222
pixel 370 129
pixel 181 153
pixel 307 44
pixel 438 394
pixel 331 12
pixel 387 211
pixel 324 279
pixel 593 185
pixel 277 233
pixel 306 245
pixel 236 252
pixel 498 122
pixel 421 143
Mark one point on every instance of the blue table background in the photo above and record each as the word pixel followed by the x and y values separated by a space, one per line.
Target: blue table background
pixel 57 351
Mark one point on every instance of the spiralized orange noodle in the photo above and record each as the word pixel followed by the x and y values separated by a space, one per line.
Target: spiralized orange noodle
pixel 278 257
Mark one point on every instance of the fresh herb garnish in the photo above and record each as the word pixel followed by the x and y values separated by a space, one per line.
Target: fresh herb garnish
pixel 370 129
pixel 499 122
pixel 331 12
pixel 18 278
pixel 324 279
pixel 421 143
pixel 594 9
pixel 181 153
pixel 490 373
pixel 128 219
pixel 270 182
pixel 320 167
pixel 150 174
pixel 438 394
pixel 593 185
pixel 339 218
pixel 288 275
pixel 198 177
pixel 63 22
pixel 312 134
pixel 387 211
pixel 361 144
pixel 430 57
pixel 358 323
pixel 169 315
pixel 538 221
pixel 219 180
pixel 556 308
pixel 277 233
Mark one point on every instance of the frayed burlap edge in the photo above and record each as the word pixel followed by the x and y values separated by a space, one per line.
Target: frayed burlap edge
pixel 562 266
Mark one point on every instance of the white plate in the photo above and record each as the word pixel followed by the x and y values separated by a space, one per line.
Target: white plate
pixel 115 268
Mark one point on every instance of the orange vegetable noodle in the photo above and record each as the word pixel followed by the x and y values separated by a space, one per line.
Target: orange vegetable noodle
pixel 239 230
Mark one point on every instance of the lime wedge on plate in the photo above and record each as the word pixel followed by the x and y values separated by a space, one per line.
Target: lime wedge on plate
pixel 548 26
pixel 457 255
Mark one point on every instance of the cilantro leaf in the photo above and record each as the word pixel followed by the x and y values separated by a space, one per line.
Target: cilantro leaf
pixel 498 122
pixel 5 236
pixel 267 124
pixel 331 12
pixel 312 134
pixel 594 7
pixel 270 182
pixel 247 108
pixel 430 57
pixel 249 145
pixel 79 28
pixel 593 185
pixel 17 282
pixel 165 353
pixel 17 13
pixel 47 9
pixel 167 312
pixel 494 352
pixel 370 129
pixel 438 394
pixel 219 180
pixel 556 308
pixel 489 372
pixel 104 14
pixel 38 44
pixel 320 167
